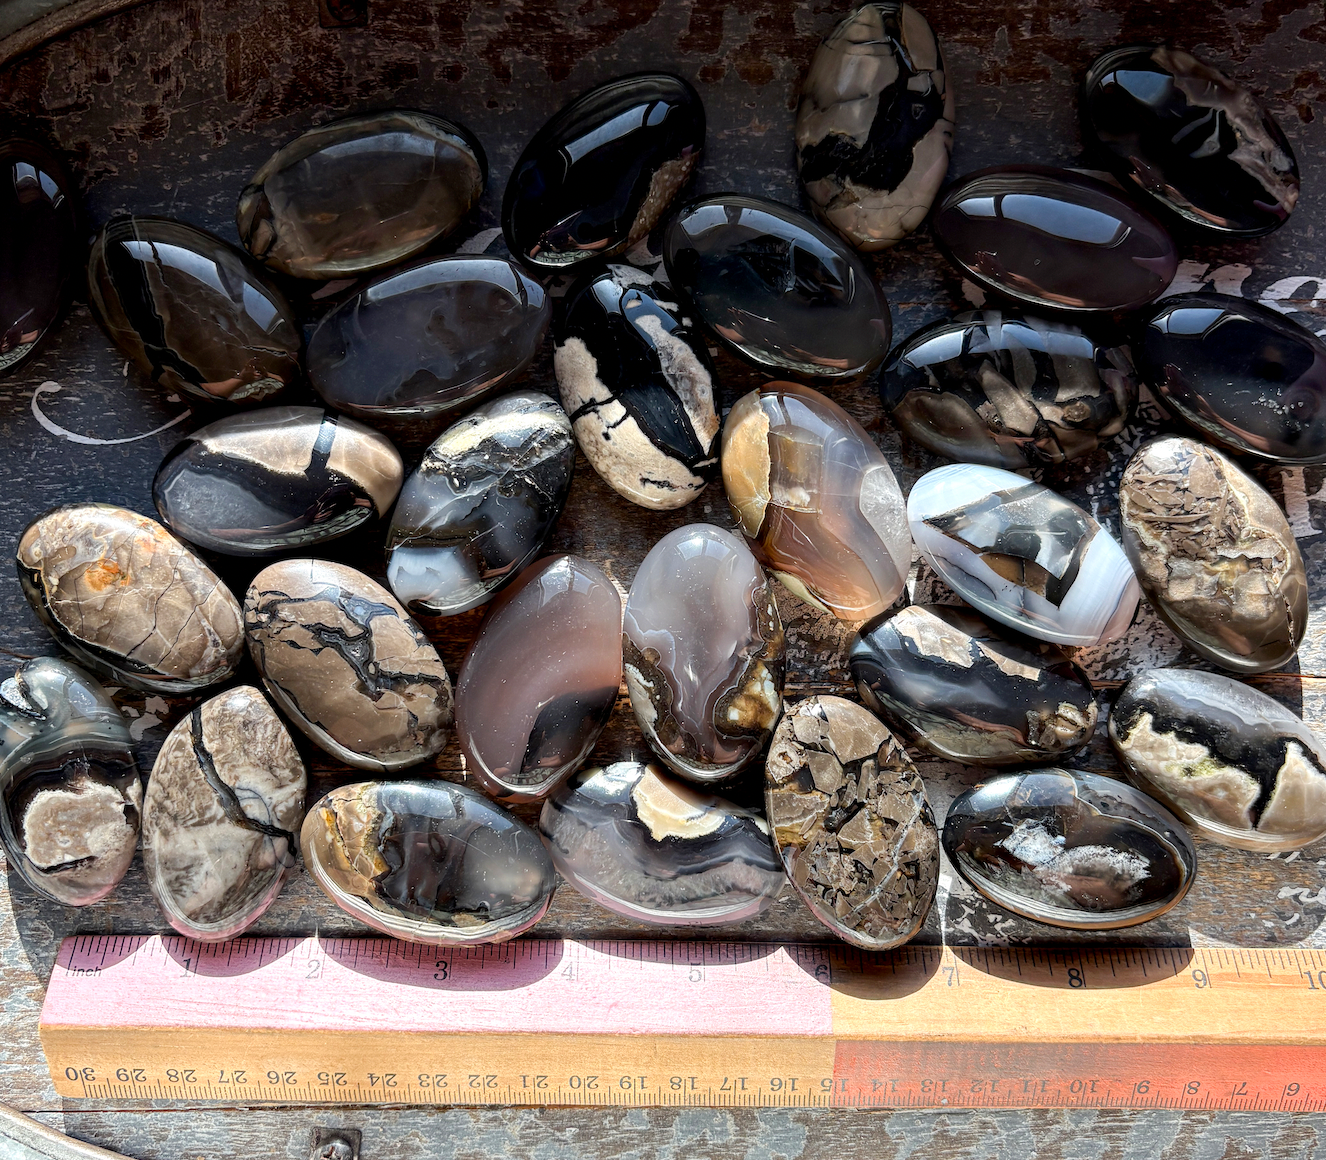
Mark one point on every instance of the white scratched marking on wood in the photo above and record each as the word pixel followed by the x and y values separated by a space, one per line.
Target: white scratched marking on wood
pixel 1193 276
pixel 51 388
pixel 480 242
pixel 1297 503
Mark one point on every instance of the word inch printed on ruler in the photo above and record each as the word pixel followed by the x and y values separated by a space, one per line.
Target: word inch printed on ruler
pixel 660 1023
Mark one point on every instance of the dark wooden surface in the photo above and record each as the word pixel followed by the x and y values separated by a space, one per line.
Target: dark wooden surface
pixel 168 106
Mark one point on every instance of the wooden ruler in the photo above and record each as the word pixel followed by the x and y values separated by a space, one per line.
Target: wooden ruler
pixel 653 1023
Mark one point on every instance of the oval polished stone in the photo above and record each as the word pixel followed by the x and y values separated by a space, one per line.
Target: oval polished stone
pixel 539 682
pixel 602 172
pixel 704 653
pixel 277 478
pixel 777 288
pixel 428 862
pixel 1023 554
pixel 1008 391
pixel 1070 849
pixel 481 505
pixel 1215 555
pixel 1054 239
pixel 68 783
pixel 656 850
pixel 852 824
pixel 636 380
pixel 361 193
pixel 347 665
pixel 429 339
pixel 128 599
pixel 874 126
pixel 38 246
pixel 816 499
pixel 226 794
pixel 1241 374
pixel 1237 765
pixel 194 314
pixel 1185 134
pixel 962 689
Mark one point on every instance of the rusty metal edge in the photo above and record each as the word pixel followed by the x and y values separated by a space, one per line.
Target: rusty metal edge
pixel 22 1138
pixel 64 20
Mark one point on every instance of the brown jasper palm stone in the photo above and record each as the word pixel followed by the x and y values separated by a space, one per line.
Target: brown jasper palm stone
pixel 851 822
pixel 347 664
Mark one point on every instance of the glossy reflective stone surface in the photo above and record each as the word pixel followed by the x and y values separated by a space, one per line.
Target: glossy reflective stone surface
pixel 1184 133
pixel 777 288
pixel 70 798
pixel 656 850
pixel 961 688
pixel 361 193
pixel 1023 554
pixel 347 665
pixel 602 172
pixel 1070 849
pixel 193 313
pixel 636 379
pixel 816 499
pixel 1241 374
pixel 1054 239
pixel 704 652
pixel 128 599
pixel 427 862
pixel 1242 769
pixel 1006 390
pixel 875 124
pixel 225 797
pixel 851 821
pixel 481 505
pixel 38 246
pixel 276 478
pixel 429 339
pixel 1215 555
pixel 541 678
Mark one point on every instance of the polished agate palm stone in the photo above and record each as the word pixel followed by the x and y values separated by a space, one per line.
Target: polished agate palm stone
pixel 658 851
pixel 70 798
pixel 816 499
pixel 428 862
pixel 704 653
pixel 1070 849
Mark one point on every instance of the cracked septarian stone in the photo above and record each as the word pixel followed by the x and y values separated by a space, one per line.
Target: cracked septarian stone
pixel 1241 374
pixel 194 314
pixel 1023 554
pixel 427 862
pixel 654 849
pixel 70 798
pixel 540 681
pixel 817 500
pixel 1181 131
pixel 481 505
pixel 874 127
pixel 777 288
pixel 38 246
pixel 361 193
pixel 1054 239
pixel 429 339
pixel 601 173
pixel 129 600
pixel 276 478
pixel 1242 769
pixel 1215 555
pixel 704 653
pixel 347 665
pixel 851 822
pixel 1070 849
pixel 225 797
pixel 957 686
pixel 1008 390
pixel 637 381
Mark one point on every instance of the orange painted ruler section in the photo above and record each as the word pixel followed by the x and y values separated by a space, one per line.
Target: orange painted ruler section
pixel 374 1021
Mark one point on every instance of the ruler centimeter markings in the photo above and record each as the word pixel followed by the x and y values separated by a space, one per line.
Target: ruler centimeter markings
pixel 551 1021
